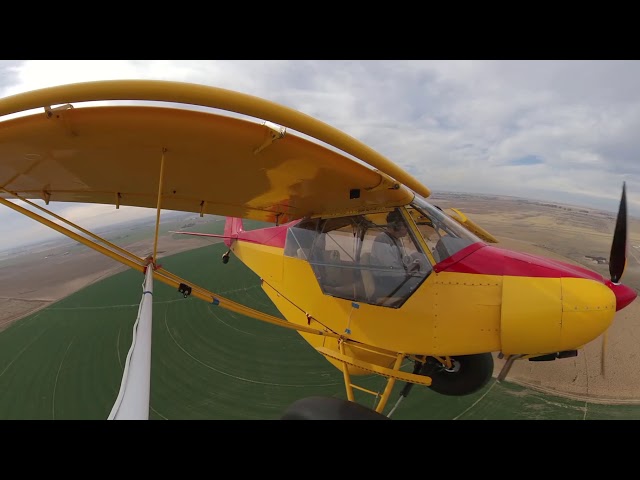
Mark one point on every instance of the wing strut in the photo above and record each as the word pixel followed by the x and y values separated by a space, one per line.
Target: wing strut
pixel 114 247
pixel 155 238
pixel 137 263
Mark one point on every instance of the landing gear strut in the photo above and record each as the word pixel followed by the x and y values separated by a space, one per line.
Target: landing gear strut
pixel 467 374
pixel 404 393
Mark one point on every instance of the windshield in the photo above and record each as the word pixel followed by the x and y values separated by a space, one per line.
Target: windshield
pixel 444 235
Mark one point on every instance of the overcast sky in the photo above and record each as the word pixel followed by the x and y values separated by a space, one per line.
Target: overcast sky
pixel 563 131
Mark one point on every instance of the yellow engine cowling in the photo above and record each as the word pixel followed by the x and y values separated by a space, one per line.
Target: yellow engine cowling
pixel 545 315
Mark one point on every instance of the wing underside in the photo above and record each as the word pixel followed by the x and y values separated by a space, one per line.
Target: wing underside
pixel 209 163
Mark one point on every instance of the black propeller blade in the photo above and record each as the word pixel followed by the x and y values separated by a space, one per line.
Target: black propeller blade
pixel 618 256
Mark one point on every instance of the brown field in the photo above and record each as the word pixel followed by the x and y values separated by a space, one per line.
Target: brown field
pixel 43 275
pixel 575 234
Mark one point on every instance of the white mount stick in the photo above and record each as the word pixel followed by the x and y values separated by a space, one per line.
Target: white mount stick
pixel 133 399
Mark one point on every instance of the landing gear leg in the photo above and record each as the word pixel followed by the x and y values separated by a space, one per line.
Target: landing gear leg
pixel 417 368
pixel 225 256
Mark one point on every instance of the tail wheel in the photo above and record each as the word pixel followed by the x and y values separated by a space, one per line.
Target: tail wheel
pixel 468 374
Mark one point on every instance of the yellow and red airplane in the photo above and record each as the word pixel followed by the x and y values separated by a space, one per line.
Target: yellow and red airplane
pixel 358 261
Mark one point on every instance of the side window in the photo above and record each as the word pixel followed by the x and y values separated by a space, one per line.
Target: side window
pixel 366 258
pixel 333 258
pixel 300 239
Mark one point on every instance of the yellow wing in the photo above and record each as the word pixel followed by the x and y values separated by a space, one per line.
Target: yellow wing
pixel 210 163
pixel 462 219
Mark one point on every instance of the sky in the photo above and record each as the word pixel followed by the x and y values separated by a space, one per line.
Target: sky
pixel 563 131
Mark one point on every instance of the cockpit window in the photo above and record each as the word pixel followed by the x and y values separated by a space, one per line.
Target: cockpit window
pixel 371 258
pixel 443 235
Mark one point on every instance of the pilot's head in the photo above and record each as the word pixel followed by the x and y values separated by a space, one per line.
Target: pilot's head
pixel 396 223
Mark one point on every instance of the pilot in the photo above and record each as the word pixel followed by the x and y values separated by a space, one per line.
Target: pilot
pixel 387 248
pixel 387 256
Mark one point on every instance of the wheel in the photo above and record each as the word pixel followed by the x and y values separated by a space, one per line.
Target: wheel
pixel 468 374
pixel 329 408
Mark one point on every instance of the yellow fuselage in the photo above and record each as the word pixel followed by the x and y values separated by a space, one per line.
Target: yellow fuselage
pixel 451 313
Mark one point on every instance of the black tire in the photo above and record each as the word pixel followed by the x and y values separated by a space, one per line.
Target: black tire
pixel 469 374
pixel 329 408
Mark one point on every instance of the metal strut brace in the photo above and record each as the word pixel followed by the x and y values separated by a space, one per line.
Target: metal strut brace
pixel 113 246
pixel 158 209
pixel 132 261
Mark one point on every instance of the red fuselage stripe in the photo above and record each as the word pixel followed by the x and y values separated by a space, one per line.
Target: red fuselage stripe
pixel 480 258
pixel 270 236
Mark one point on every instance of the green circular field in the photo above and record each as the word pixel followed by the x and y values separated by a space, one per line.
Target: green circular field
pixel 66 361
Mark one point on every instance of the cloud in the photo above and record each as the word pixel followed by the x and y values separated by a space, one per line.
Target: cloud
pixel 526 160
pixel 555 130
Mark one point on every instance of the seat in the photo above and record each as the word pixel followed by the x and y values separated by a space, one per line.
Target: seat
pixel 333 274
pixel 332 256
